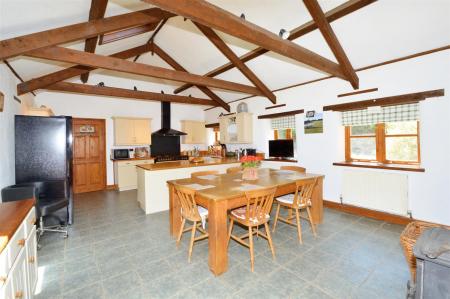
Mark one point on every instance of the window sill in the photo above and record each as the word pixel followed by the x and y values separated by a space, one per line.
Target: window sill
pixel 280 160
pixel 401 167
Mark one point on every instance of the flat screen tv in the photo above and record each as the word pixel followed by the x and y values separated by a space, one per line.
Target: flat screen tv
pixel 282 148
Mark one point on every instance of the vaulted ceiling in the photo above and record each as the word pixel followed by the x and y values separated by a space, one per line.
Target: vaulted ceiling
pixel 380 31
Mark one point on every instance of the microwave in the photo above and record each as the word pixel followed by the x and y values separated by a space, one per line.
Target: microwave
pixel 123 153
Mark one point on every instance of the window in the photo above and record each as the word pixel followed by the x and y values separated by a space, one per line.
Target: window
pixel 391 142
pixel 284 134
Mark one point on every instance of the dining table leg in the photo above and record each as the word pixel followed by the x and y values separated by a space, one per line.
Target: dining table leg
pixel 218 243
pixel 174 212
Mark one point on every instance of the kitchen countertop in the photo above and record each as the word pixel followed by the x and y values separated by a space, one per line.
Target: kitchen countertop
pixel 133 159
pixel 11 216
pixel 187 164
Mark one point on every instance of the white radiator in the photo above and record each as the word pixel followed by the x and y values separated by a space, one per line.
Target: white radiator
pixel 387 192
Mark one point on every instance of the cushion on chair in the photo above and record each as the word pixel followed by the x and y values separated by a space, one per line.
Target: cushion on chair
pixel 241 212
pixel 48 207
pixel 289 199
pixel 203 214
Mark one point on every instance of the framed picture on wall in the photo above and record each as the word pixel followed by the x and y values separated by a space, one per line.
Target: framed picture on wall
pixel 313 122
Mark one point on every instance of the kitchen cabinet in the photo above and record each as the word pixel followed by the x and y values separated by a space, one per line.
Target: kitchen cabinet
pixel 18 261
pixel 195 130
pixel 132 131
pixel 236 128
pixel 125 173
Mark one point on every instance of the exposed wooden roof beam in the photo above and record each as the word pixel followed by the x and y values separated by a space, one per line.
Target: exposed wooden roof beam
pixel 227 52
pixel 14 72
pixel 330 37
pixel 23 44
pixel 127 93
pixel 152 37
pixel 121 65
pixel 332 15
pixel 214 17
pixel 97 11
pixel 74 71
pixel 176 66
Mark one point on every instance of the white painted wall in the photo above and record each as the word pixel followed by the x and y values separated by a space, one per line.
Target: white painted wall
pixel 84 106
pixel 7 87
pixel 429 192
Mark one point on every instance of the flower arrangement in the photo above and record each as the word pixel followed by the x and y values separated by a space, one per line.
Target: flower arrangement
pixel 250 161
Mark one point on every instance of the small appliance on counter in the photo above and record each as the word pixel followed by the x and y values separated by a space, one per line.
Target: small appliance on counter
pixel 142 152
pixel 122 153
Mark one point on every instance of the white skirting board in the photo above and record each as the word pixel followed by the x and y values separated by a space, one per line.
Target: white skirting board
pixel 381 191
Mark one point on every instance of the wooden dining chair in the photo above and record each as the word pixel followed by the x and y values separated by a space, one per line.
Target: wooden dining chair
pixel 193 213
pixel 202 173
pixel 300 200
pixel 293 168
pixel 233 170
pixel 254 214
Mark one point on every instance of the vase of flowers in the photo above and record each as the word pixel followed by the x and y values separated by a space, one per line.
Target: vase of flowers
pixel 250 166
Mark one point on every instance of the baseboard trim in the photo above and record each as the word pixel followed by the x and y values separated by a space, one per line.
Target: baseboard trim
pixel 111 187
pixel 383 216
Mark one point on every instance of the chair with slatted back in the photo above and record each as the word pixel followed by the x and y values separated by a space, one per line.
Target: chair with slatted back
pixel 191 212
pixel 233 170
pixel 293 168
pixel 254 214
pixel 202 173
pixel 300 200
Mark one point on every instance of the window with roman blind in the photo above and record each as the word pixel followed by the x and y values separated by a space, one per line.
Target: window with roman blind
pixel 283 127
pixel 386 135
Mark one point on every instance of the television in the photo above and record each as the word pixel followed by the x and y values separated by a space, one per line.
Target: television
pixel 281 148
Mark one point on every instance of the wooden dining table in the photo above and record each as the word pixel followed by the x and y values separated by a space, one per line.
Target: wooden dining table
pixel 226 192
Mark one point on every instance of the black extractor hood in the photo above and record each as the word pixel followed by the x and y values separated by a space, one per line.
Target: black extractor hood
pixel 165 123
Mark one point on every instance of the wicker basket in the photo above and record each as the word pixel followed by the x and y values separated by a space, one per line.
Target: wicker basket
pixel 408 239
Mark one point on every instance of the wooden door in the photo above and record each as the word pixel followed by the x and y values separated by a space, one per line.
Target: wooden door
pixel 89 157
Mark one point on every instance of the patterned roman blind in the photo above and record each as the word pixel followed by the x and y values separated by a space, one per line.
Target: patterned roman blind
pixel 285 122
pixel 406 112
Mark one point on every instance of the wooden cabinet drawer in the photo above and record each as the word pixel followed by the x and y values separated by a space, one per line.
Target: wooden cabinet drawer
pixel 16 244
pixel 18 275
pixel 31 260
pixel 6 291
pixel 29 222
pixel 4 266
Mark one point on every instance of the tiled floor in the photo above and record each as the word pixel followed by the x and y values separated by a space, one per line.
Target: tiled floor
pixel 116 251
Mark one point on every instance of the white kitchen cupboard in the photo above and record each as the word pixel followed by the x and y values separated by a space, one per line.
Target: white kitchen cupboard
pixel 236 128
pixel 125 173
pixel 132 131
pixel 18 261
pixel 195 130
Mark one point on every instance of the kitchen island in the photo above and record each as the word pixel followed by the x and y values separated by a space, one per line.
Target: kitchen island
pixel 153 193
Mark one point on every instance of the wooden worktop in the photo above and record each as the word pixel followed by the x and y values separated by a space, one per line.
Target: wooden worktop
pixel 226 186
pixel 133 159
pixel 11 216
pixel 186 164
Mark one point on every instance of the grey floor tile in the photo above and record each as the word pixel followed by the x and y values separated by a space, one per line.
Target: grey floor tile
pixel 93 291
pixel 352 257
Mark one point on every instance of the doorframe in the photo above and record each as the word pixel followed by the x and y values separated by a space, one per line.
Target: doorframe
pixel 105 173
